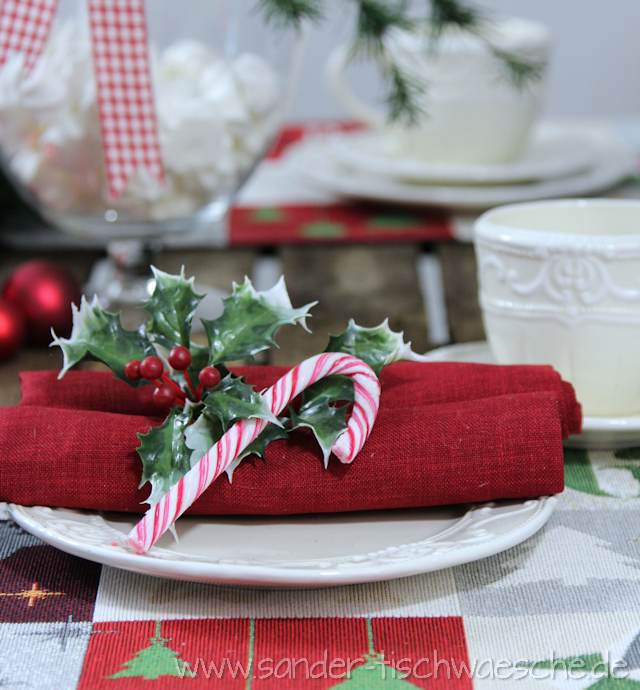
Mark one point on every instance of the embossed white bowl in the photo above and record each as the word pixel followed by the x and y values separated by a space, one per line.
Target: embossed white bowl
pixel 560 284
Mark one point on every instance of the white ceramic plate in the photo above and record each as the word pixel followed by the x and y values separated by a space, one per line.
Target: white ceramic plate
pixel 598 433
pixel 306 551
pixel 556 150
pixel 311 160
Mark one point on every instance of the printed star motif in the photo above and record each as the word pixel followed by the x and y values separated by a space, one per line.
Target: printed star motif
pixel 32 595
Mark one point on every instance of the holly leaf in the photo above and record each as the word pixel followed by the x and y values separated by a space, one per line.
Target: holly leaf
pixel 377 346
pixel 258 447
pixel 234 399
pixel 171 308
pixel 164 454
pixel 98 334
pixel 205 431
pixel 319 412
pixel 325 420
pixel 330 389
pixel 250 321
pixel 201 435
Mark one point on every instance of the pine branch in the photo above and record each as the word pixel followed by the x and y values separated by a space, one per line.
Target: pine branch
pixel 520 72
pixel 378 17
pixel 284 13
pixel 445 13
pixel 403 100
pixel 375 19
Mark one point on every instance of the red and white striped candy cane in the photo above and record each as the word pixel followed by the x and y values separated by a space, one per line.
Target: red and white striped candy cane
pixel 215 461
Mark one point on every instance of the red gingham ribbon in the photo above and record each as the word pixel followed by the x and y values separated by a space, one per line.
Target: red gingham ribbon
pixel 125 91
pixel 24 28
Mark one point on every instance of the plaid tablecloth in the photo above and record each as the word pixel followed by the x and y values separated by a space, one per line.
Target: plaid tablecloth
pixel 559 611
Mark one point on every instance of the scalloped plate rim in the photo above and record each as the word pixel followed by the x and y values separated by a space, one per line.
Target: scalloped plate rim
pixel 288 576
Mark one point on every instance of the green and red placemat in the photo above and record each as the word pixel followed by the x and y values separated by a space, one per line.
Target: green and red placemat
pixel 331 220
pixel 560 611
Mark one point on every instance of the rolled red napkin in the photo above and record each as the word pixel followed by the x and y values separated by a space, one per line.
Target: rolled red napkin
pixel 446 433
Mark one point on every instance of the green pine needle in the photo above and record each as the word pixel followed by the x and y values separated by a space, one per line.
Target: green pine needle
pixel 519 71
pixel 375 19
pixel 445 13
pixel 403 99
pixel 284 13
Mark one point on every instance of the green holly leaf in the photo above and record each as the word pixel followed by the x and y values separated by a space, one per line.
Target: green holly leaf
pixel 258 447
pixel 377 346
pixel 250 321
pixel 320 413
pixel 234 399
pixel 171 308
pixel 164 454
pixel 201 435
pixel 98 334
pixel 206 430
pixel 325 420
pixel 330 389
pixel 271 433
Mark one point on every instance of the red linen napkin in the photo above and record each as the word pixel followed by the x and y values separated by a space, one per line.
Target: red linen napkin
pixel 446 433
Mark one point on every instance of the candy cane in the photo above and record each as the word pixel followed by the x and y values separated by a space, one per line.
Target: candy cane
pixel 216 460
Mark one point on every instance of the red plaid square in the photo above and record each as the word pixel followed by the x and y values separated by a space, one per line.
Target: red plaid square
pixel 24 28
pixel 125 91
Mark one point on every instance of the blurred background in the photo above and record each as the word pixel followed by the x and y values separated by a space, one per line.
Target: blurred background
pixel 264 171
pixel 592 41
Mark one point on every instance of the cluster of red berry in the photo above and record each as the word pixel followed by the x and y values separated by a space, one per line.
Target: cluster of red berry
pixel 167 391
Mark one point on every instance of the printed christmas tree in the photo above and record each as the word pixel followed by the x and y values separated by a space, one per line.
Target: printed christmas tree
pixel 597 473
pixel 155 661
pixel 555 555
pixel 585 672
pixel 592 671
pixel 374 674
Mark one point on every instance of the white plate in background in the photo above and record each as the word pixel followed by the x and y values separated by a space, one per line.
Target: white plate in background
pixel 556 150
pixel 615 163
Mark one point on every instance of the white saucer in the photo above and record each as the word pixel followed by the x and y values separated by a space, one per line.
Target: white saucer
pixel 615 162
pixel 556 150
pixel 304 551
pixel 598 433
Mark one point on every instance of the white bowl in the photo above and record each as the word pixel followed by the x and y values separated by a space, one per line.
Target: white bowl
pixel 560 285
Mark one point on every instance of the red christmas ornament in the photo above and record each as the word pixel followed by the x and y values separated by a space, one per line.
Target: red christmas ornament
pixel 11 329
pixel 43 292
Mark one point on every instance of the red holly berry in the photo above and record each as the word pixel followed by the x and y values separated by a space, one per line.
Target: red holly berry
pixel 132 370
pixel 209 377
pixel 164 395
pixel 151 368
pixel 180 358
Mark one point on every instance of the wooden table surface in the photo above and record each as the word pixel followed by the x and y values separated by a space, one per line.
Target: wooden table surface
pixel 367 283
